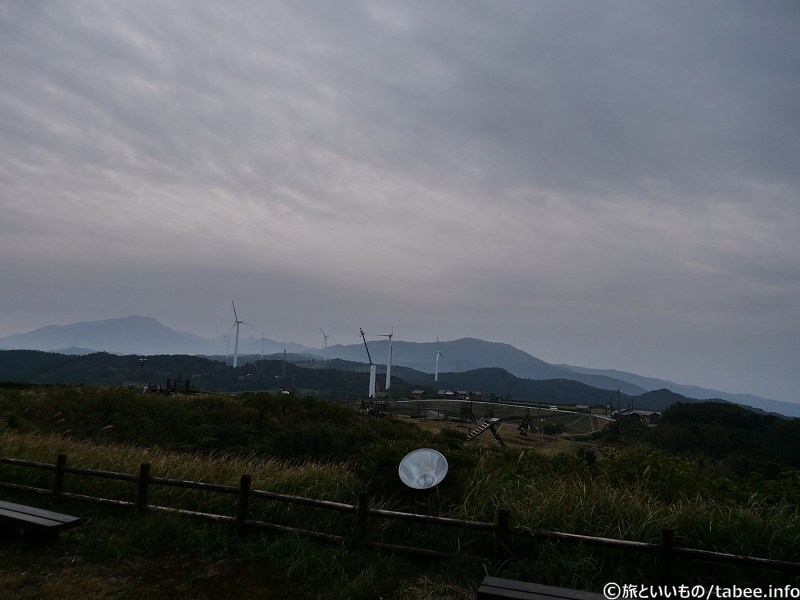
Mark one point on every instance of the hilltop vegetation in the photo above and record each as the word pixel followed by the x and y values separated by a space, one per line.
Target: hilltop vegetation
pixel 629 488
pixel 337 379
pixel 105 369
pixel 732 441
pixel 613 490
pixel 263 424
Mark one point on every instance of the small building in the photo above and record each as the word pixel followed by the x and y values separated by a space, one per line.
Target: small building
pixel 650 417
pixel 476 396
pixel 647 417
pixel 419 395
pixel 462 395
pixel 582 408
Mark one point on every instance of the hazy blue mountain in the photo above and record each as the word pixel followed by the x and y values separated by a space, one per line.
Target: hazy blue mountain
pixel 773 406
pixel 145 335
pixel 656 400
pixel 132 335
pixel 693 391
pixel 73 351
pixel 468 354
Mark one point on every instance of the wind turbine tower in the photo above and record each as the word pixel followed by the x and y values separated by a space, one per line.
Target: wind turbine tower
pixel 438 355
pixel 236 324
pixel 389 361
pixel 262 344
pixel 372 367
pixel 389 357
pixel 325 337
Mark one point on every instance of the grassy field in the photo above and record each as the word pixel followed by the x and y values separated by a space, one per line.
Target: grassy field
pixel 626 493
pixel 509 432
pixel 117 556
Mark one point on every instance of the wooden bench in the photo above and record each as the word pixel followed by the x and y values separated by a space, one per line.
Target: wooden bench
pixel 35 521
pixel 494 588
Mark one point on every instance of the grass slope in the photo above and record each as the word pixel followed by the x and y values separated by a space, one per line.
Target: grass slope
pixel 628 492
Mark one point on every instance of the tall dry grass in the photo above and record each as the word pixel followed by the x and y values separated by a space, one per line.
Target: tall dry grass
pixel 628 495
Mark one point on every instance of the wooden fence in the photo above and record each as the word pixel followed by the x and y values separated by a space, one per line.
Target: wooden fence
pixel 501 528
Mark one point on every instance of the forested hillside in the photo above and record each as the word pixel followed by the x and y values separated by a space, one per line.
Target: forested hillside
pixel 268 425
pixel 337 379
pixel 203 374
pixel 732 440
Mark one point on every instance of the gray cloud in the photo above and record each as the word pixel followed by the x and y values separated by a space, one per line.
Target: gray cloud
pixel 607 183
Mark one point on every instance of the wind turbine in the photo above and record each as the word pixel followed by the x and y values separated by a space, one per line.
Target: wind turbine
pixel 436 361
pixel 262 344
pixel 389 357
pixel 236 324
pixel 325 337
pixel 372 367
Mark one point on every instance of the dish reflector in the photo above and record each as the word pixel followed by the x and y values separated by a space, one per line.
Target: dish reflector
pixel 423 468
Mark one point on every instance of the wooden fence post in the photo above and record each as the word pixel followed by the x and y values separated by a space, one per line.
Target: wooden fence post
pixel 501 535
pixel 141 489
pixel 362 510
pixel 242 504
pixel 666 556
pixel 58 478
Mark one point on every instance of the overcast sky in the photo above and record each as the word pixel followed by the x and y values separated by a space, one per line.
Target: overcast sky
pixel 607 184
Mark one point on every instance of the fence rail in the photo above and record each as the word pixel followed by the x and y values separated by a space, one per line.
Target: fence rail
pixel 665 550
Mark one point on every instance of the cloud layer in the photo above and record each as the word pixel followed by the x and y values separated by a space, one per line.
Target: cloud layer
pixel 609 184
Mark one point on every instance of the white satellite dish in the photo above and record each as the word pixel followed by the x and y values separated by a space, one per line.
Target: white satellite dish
pixel 423 468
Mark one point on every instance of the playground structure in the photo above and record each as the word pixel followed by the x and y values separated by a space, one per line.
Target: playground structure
pixel 172 386
pixel 542 420
pixel 488 425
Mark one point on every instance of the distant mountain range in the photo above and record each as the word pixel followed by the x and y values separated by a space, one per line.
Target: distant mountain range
pixel 133 335
pixel 147 336
pixel 335 379
pixel 468 354
pixel 693 391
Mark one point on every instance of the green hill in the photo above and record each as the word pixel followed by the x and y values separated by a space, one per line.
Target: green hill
pixel 735 441
pixel 336 379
